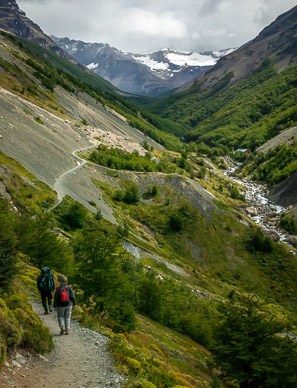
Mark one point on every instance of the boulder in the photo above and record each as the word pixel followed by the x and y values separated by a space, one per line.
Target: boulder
pixel 272 214
pixel 252 211
pixel 291 239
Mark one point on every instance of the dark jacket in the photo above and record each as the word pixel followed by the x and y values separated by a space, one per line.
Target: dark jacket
pixel 58 302
pixel 39 280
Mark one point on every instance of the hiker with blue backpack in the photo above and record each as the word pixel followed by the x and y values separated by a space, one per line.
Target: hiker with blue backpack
pixel 46 285
pixel 64 300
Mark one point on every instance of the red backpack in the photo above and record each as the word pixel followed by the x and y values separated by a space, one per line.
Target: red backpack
pixel 63 294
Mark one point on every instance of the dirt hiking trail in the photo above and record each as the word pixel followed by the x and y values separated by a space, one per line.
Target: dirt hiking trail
pixel 79 360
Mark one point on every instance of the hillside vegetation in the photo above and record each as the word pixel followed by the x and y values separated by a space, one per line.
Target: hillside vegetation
pixel 242 116
pixel 115 285
pixel 178 265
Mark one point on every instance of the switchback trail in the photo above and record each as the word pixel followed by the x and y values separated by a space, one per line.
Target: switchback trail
pixel 79 360
pixel 58 186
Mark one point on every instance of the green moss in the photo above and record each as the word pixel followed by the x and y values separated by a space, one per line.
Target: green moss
pixel 19 325
pixel 141 383
pixel 133 365
pixel 9 326
pixel 3 350
pixel 35 335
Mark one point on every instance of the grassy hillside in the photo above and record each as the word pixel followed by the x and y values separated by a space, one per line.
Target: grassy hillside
pixel 242 116
pixel 273 166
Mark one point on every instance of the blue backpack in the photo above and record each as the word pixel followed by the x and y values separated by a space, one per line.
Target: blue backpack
pixel 46 280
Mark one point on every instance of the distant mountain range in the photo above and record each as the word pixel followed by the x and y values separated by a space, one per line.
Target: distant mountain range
pixel 146 74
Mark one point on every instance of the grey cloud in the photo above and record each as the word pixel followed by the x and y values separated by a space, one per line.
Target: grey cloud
pixel 142 26
pixel 210 6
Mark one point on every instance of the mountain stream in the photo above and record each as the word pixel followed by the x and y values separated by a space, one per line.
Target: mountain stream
pixel 261 209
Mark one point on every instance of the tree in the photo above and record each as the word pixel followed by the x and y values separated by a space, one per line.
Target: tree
pixel 250 348
pixel 99 258
pixel 75 216
pixel 155 190
pixel 42 245
pixel 132 194
pixel 8 259
pixel 150 297
pixel 176 222
pixel 261 243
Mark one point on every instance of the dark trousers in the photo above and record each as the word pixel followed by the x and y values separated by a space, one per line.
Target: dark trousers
pixel 46 298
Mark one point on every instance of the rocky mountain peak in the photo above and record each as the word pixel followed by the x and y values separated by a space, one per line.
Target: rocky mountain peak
pixel 9 4
pixel 15 21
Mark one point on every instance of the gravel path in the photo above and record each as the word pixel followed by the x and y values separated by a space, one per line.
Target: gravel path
pixel 80 360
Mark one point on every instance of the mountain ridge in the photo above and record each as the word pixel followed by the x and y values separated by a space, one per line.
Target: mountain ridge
pixel 145 74
pixel 277 40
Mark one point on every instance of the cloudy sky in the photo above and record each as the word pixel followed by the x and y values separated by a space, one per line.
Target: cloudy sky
pixel 146 25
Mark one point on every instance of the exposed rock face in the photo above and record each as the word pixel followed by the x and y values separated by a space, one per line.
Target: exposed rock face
pixel 278 41
pixel 287 136
pixel 15 21
pixel 285 193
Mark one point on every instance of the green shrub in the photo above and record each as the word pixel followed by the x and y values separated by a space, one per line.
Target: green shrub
pixel 132 194
pixel 3 351
pixel 118 159
pixel 201 173
pixel 8 241
pixel 141 383
pixel 176 222
pixel 259 242
pixel 38 120
pixel 73 216
pixel 20 326
pixel 235 194
pixel 98 215
pixel 10 329
pixel 288 223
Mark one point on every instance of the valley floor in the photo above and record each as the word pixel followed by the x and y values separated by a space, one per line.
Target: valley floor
pixel 80 359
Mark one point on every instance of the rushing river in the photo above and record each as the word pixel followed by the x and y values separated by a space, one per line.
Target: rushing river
pixel 262 211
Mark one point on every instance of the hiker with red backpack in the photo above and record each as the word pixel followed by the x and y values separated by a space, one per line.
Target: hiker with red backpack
pixel 46 285
pixel 64 300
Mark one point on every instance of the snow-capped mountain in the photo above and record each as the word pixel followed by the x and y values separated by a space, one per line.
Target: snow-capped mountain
pixel 146 74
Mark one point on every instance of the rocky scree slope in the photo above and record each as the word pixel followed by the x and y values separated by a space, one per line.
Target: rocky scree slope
pixel 42 131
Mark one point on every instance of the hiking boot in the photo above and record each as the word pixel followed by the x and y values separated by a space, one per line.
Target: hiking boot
pixel 62 331
pixel 45 312
pixel 50 309
pixel 67 332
